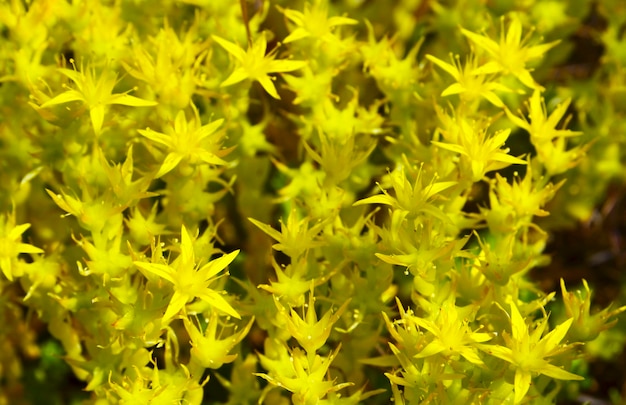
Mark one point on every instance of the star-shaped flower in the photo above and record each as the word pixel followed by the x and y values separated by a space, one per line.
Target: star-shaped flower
pixel 308 331
pixel 542 126
pixel 451 335
pixel 189 140
pixel 469 85
pixel 529 352
pixel 96 93
pixel 314 22
pixel 207 349
pixel 510 54
pixel 255 65
pixel 11 244
pixel 190 281
pixel 480 153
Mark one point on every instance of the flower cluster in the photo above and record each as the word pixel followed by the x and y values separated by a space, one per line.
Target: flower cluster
pixel 315 202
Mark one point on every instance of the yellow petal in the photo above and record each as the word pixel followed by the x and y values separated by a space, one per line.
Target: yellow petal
pixel 212 268
pixel 431 349
pixel 518 326
pixel 186 247
pixel 156 136
pixel 514 35
pixel 471 356
pixel 483 42
pixel 180 123
pixel 217 301
pixel 208 129
pixel 298 33
pixel 70 95
pixel 522 384
pixel 126 99
pixel 5 265
pixel 558 373
pixel 171 161
pixel 454 88
pixel 280 66
pixel 161 270
pixel 231 48
pixel 177 302
pixel 97 117
pixel 210 158
pixel 452 70
pixel 17 231
pixel 268 85
pixel 26 248
pixel 237 76
pixel 376 199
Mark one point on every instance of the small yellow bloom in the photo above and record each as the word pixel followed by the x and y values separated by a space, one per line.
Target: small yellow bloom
pixel 209 351
pixel 96 93
pixel 540 125
pixel 254 64
pixel 291 283
pixel 529 352
pixel 551 143
pixel 314 22
pixel 479 152
pixel 295 237
pixel 189 140
pixel 510 54
pixel 11 244
pixel 586 327
pixel 189 281
pixel 308 331
pixel 470 83
pixel 307 379
pixel 410 198
pixel 451 335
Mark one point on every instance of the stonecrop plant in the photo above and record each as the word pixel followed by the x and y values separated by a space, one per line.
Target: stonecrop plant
pixel 308 202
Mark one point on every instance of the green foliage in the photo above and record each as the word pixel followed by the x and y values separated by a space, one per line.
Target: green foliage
pixel 300 201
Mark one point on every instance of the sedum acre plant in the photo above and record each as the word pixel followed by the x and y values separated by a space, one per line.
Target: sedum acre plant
pixel 307 202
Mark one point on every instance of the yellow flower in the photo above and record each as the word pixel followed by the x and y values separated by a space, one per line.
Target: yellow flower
pixel 295 237
pixel 479 152
pixel 529 353
pixel 11 244
pixel 586 327
pixel 314 22
pixel 254 64
pixel 451 335
pixel 189 281
pixel 169 63
pixel 407 198
pixel 510 54
pixel 470 83
pixel 209 351
pixel 540 125
pixel 308 331
pixel 188 140
pixel 551 143
pixel 291 284
pixel 95 93
pixel 307 379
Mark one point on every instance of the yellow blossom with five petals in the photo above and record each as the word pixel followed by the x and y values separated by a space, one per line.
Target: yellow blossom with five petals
pixel 96 93
pixel 11 244
pixel 189 140
pixel 189 281
pixel 256 65
pixel 529 352
pixel 470 83
pixel 314 22
pixel 510 54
